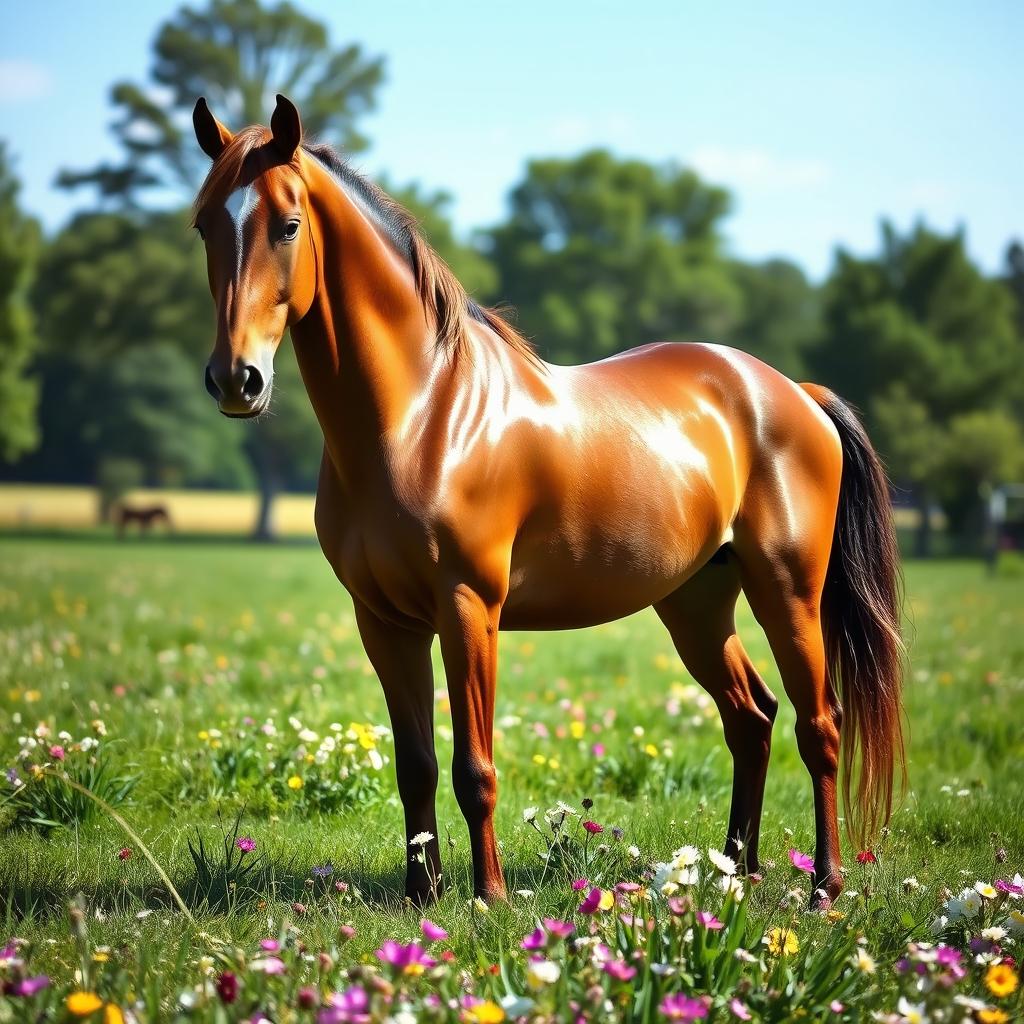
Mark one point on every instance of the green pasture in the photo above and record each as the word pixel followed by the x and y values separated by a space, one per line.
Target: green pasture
pixel 168 644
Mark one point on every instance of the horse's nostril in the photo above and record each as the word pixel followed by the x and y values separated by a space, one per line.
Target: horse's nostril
pixel 252 386
pixel 211 385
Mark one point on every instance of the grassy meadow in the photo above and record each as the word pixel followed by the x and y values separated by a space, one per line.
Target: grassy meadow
pixel 216 693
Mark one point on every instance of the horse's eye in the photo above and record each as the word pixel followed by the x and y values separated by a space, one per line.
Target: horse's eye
pixel 291 229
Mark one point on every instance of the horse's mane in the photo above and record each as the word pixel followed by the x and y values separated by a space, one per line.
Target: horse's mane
pixel 446 302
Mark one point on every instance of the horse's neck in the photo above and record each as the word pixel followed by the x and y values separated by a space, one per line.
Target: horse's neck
pixel 365 348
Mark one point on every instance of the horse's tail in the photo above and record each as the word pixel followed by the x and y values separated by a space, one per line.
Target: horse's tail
pixel 861 621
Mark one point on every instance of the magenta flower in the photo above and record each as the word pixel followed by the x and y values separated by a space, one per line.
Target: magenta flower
pixel 680 1007
pixel 627 887
pixel 593 828
pixel 348 1007
pixel 737 1009
pixel 403 957
pixel 580 883
pixel 591 903
pixel 246 844
pixel 268 965
pixel 1002 885
pixel 535 940
pixel 801 861
pixel 28 987
pixel 618 969
pixel 57 752
pixel 432 932
pixel 559 929
pixel 270 945
pixel 709 921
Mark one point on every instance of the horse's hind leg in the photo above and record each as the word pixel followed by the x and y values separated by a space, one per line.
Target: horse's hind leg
pixel 700 617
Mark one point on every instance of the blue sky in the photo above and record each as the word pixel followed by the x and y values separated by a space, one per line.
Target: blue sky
pixel 821 117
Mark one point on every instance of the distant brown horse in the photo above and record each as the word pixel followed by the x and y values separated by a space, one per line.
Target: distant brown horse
pixel 466 486
pixel 144 517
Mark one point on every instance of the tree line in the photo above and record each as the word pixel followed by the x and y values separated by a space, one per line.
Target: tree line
pixel 105 327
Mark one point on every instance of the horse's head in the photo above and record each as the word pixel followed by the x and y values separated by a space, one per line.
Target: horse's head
pixel 253 215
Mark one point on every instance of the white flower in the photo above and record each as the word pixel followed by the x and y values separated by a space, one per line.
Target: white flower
pixel 996 933
pixel 731 884
pixel 526 894
pixel 863 961
pixel 970 900
pixel 938 926
pixel 308 736
pixel 478 905
pixel 376 761
pixel 911 1013
pixel 529 814
pixel 724 864
pixel 685 857
pixel 911 883
pixel 421 839
pixel 985 890
pixel 542 972
pixel 516 1006
pixel 633 851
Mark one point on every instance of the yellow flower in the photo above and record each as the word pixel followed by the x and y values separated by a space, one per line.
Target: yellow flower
pixel 992 1015
pixel 101 956
pixel 113 1015
pixel 607 900
pixel 540 759
pixel 651 750
pixel 1001 980
pixel 864 962
pixel 413 969
pixel 782 941
pixel 295 782
pixel 576 729
pixel 487 1013
pixel 203 734
pixel 81 1004
pixel 554 765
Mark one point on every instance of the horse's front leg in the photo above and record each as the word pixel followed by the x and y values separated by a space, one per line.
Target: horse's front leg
pixel 468 628
pixel 401 660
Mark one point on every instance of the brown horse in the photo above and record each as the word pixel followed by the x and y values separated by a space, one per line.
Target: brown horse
pixel 467 487
pixel 146 517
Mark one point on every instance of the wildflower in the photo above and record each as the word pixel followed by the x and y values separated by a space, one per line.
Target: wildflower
pixel 682 1007
pixel 270 945
pixel 994 934
pixel 737 1009
pixel 268 965
pixel 985 890
pixel 432 932
pixel 479 905
pixel 1001 980
pixel 112 1014
pixel 57 752
pixel 709 921
pixel 227 987
pixel 344 1007
pixel 864 962
pixel 542 972
pixel 911 1013
pixel 593 828
pixel 535 940
pixel 299 908
pixel 579 883
pixel 421 839
pixel 81 1004
pixel 836 1007
pixel 559 929
pixel 866 857
pixel 970 902
pixel 486 1012
pixel 724 864
pixel 910 884
pixel 992 1015
pixel 529 815
pixel 802 862
pixel 782 942
pixel 124 853
pixel 634 852
pixel 1015 922
pixel 28 987
pixel 597 899
pixel 295 782
pixel 618 969
pixel 246 844
pixel 411 959
pixel 322 870
pixel 346 932
pixel 1014 888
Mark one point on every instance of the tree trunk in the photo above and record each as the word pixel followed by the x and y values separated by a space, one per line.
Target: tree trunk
pixel 269 484
pixel 923 533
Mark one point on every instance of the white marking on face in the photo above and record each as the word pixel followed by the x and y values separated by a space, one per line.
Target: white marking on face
pixel 240 205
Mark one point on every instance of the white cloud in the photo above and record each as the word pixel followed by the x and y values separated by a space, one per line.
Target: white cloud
pixel 23 80
pixel 753 169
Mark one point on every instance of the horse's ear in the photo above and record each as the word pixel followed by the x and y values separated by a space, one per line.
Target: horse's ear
pixel 213 137
pixel 286 126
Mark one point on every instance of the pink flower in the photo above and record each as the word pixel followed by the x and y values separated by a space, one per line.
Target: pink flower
pixel 836 1007
pixel 801 861
pixel 737 1009
pixel 680 1007
pixel 866 857
pixel 57 752
pixel 246 844
pixel 270 945
pixel 535 940
pixel 618 970
pixel 559 929
pixel 597 750
pixel 580 883
pixel 28 987
pixel 593 828
pixel 591 903
pixel 709 921
pixel 124 853
pixel 627 887
pixel 432 932
pixel 1002 885
pixel 348 1007
pixel 268 965
pixel 403 957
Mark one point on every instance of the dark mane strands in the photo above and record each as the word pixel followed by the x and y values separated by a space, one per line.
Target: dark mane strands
pixel 443 297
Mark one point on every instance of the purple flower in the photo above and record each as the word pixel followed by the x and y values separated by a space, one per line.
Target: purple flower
pixel 12 777
pixel 29 986
pixel 619 970
pixel 322 870
pixel 348 1007
pixel 593 828
pixel 709 921
pixel 580 883
pixel 1001 885
pixel 411 958
pixel 559 929
pixel 535 940
pixel 246 844
pixel 432 932
pixel 680 1007
pixel 591 902
pixel 801 861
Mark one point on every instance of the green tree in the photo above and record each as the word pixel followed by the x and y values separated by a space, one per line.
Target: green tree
pixel 19 250
pixel 600 254
pixel 237 53
pixel 916 337
pixel 781 314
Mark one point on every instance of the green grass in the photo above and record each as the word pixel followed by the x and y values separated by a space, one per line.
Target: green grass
pixel 164 642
